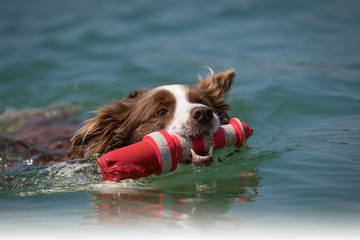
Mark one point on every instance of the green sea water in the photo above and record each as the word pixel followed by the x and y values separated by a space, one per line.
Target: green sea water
pixel 297 86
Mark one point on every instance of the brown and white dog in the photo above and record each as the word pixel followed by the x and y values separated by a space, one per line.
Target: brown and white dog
pixel 179 109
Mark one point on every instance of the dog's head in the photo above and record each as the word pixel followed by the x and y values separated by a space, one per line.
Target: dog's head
pixel 179 109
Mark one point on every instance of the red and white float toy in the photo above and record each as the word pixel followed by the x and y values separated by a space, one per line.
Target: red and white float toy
pixel 160 152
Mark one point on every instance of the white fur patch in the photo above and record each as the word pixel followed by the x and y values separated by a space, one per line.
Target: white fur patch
pixel 183 107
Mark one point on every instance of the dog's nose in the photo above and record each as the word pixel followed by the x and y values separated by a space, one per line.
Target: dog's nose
pixel 202 115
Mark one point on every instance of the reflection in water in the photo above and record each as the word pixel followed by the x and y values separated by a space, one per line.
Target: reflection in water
pixel 200 205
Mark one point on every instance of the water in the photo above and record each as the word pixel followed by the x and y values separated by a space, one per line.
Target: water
pixel 297 86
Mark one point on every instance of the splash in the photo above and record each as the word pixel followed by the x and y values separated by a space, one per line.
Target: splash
pixel 26 179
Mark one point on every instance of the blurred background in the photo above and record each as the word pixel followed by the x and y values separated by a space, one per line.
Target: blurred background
pixel 297 86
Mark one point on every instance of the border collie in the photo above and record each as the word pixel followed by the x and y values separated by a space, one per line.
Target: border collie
pixel 179 109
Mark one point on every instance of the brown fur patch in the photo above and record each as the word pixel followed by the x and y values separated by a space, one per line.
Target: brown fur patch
pixel 123 123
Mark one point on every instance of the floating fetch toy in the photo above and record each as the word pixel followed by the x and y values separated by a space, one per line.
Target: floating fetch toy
pixel 159 152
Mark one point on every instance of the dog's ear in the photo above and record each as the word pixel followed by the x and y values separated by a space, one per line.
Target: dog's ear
pixel 216 87
pixel 100 133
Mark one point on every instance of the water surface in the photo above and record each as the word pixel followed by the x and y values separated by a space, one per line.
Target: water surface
pixel 297 86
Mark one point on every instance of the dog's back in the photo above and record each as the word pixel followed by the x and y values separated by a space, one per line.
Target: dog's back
pixel 36 136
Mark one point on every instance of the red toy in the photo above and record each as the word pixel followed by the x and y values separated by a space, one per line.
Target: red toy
pixel 159 152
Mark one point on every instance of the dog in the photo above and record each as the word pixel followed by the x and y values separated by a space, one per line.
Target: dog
pixel 184 110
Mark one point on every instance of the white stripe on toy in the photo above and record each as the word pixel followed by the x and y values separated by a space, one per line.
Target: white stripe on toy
pixel 166 160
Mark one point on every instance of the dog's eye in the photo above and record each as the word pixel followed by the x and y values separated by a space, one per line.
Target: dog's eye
pixel 161 112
